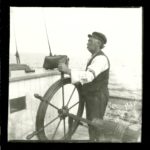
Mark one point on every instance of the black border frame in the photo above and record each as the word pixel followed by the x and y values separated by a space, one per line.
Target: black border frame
pixel 4 48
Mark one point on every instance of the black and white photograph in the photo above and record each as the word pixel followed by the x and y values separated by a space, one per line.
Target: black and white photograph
pixel 75 74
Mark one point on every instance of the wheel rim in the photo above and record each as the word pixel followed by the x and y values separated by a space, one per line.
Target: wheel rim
pixel 57 111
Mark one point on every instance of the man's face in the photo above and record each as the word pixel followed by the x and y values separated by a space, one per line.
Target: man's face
pixel 93 44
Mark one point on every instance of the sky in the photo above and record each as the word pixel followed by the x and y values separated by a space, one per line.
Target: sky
pixel 67 30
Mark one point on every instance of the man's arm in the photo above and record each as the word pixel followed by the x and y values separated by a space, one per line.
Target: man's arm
pixel 98 65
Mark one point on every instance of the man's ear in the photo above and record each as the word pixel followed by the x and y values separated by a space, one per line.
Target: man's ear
pixel 101 44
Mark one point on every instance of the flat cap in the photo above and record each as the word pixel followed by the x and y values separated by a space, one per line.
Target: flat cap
pixel 99 36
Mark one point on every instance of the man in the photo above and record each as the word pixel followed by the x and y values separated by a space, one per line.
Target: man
pixel 94 80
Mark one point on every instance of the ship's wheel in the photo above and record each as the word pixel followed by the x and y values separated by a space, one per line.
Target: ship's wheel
pixel 52 121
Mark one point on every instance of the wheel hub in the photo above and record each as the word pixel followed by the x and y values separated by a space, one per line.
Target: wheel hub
pixel 63 112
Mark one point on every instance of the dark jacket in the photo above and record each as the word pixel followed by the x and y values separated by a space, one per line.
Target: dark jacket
pixel 100 83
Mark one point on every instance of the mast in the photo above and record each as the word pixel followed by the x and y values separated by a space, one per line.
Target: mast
pixel 17 53
pixel 50 52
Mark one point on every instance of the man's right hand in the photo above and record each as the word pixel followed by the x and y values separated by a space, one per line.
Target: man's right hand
pixel 62 67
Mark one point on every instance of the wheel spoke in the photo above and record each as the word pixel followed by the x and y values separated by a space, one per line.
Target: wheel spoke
pixel 63 95
pixel 62 77
pixel 51 121
pixel 53 105
pixel 64 128
pixel 70 122
pixel 71 96
pixel 45 101
pixel 74 105
pixel 48 124
pixel 56 129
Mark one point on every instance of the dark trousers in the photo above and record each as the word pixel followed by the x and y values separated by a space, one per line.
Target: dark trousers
pixel 95 109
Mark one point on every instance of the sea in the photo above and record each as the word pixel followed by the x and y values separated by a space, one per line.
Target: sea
pixel 122 77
